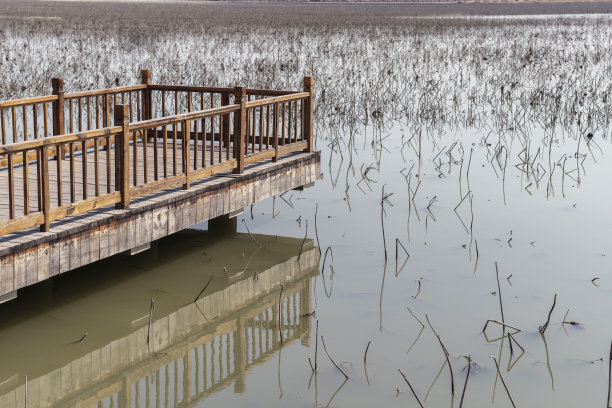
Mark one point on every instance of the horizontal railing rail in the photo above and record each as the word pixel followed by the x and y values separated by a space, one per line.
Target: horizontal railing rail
pixel 144 150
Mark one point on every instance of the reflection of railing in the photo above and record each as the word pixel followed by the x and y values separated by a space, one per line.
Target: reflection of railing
pixel 90 164
pixel 195 351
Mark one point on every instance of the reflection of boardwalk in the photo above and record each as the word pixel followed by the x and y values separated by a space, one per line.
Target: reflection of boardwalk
pixel 195 351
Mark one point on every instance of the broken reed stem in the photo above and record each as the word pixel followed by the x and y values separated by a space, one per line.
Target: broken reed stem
pixel 503 381
pixel 513 340
pixel 325 258
pixel 415 316
pixel 332 360
pixel 411 389
pixel 609 376
pixel 500 323
pixel 464 197
pixel 317 230
pixel 382 221
pixel 304 240
pixel 365 355
pixel 510 343
pixel 466 380
pixel 280 329
pixel 501 306
pixel 316 345
pixel 446 354
pixel 399 243
pixel 545 325
pixel 150 317
pixel 251 235
pixel 205 286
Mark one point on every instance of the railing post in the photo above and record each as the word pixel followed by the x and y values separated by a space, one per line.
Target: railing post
pixel 225 100
pixel 275 117
pixel 147 102
pixel 107 110
pixel 58 110
pixel 122 154
pixel 308 112
pixel 44 175
pixel 58 106
pixel 186 152
pixel 147 105
pixel 239 128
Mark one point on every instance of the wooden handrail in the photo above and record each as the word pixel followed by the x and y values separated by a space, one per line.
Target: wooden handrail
pixel 217 139
pixel 107 91
pixel 170 120
pixel 277 99
pixel 209 89
pixel 28 101
pixel 21 147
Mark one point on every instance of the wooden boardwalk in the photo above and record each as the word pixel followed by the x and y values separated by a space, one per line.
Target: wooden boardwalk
pixel 87 175
pixel 68 177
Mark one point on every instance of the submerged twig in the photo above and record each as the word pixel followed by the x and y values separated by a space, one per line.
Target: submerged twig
pixel 316 345
pixel 411 389
pixel 500 323
pixel 280 329
pixel 503 381
pixel 501 306
pixel 365 367
pixel 415 316
pixel 251 235
pixel 303 241
pixel 609 376
pixel 545 325
pixel 150 317
pixel 332 360
pixel 466 380
pixel 205 286
pixel 446 354
pixel 317 230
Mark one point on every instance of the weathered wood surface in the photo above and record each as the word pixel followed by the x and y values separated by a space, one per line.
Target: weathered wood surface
pixel 62 179
pixel 222 335
pixel 29 256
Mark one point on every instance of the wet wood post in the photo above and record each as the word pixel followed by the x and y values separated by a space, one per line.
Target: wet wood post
pixel 308 112
pixel 239 128
pixel 122 149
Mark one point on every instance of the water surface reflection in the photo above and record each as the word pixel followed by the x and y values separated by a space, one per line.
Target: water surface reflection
pixel 81 340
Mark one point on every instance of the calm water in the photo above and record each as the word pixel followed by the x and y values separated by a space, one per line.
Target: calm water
pixel 224 350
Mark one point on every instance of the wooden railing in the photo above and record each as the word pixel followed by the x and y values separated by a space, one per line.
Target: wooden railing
pixel 86 163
